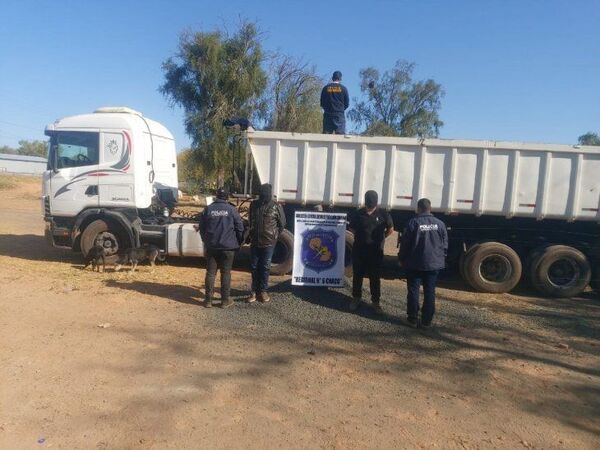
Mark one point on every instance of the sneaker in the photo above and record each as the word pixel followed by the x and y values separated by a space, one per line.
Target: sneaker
pixel 226 303
pixel 354 304
pixel 252 298
pixel 377 308
pixel 413 323
pixel 263 297
pixel 426 325
pixel 208 303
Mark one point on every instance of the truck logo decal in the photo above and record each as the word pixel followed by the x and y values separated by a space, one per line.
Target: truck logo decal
pixel 319 249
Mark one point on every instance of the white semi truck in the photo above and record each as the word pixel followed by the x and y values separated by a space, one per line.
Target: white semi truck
pixel 515 211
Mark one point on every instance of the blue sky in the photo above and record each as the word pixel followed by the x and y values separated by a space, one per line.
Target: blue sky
pixel 512 70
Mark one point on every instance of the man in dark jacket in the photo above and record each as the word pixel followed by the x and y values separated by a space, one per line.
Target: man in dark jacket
pixel 334 101
pixel 222 231
pixel 267 220
pixel 422 254
pixel 370 225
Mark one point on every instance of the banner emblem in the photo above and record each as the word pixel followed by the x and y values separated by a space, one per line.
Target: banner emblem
pixel 319 249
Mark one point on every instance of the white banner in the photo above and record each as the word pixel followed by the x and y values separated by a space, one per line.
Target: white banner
pixel 319 249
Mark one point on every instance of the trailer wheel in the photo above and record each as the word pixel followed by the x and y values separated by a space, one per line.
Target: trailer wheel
pixel 595 281
pixel 560 271
pixel 348 253
pixel 492 267
pixel 462 259
pixel 283 255
pixel 99 233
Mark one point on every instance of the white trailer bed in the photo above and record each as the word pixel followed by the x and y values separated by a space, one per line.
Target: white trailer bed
pixel 458 176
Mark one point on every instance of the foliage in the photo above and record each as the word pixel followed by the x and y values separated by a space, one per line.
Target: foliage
pixel 190 174
pixel 27 148
pixel 216 75
pixel 293 96
pixel 589 139
pixel 395 105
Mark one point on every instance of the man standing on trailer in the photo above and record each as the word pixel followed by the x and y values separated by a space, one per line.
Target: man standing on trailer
pixel 334 101
pixel 422 254
pixel 370 225
pixel 267 221
pixel 222 231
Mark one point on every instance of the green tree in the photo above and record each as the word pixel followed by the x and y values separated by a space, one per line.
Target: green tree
pixel 395 105
pixel 189 172
pixel 293 96
pixel 33 148
pixel 589 139
pixel 8 150
pixel 216 75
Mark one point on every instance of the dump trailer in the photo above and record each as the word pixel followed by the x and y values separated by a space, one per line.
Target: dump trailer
pixel 514 210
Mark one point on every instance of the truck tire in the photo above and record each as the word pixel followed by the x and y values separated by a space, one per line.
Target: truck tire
pixel 283 256
pixel 492 267
pixel 348 253
pixel 99 233
pixel 461 262
pixel 560 271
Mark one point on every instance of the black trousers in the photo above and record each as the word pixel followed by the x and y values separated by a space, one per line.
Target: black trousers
pixel 334 123
pixel 222 260
pixel 414 279
pixel 367 263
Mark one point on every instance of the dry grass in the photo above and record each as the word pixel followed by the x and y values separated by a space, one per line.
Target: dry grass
pixel 7 182
pixel 12 181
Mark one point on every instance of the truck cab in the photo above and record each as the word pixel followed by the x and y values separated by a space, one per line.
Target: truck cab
pixel 114 169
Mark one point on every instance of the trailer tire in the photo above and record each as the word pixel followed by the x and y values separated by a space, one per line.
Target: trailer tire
pixel 492 267
pixel 97 231
pixel 560 271
pixel 461 262
pixel 595 281
pixel 283 256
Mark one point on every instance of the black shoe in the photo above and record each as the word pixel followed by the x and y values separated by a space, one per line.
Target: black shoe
pixel 426 325
pixel 354 304
pixel 377 308
pixel 413 323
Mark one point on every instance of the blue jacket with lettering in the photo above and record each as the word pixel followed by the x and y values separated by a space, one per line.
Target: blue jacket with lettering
pixel 424 243
pixel 221 226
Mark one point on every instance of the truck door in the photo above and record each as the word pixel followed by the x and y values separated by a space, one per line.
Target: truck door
pixel 74 171
pixel 116 183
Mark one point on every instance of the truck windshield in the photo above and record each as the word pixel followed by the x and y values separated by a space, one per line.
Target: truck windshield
pixel 73 149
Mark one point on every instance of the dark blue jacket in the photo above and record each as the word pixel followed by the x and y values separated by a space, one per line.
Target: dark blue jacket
pixel 335 98
pixel 424 243
pixel 221 226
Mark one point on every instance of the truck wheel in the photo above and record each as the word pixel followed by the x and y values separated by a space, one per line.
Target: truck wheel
pixel 348 254
pixel 283 256
pixel 560 271
pixel 99 233
pixel 492 267
pixel 462 259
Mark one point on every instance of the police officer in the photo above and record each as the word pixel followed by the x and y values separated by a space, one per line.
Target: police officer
pixel 334 101
pixel 370 225
pixel 222 231
pixel 422 254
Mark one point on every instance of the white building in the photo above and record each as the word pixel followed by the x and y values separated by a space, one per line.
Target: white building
pixel 22 164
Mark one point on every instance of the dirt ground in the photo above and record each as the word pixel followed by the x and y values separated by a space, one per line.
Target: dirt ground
pixel 120 360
